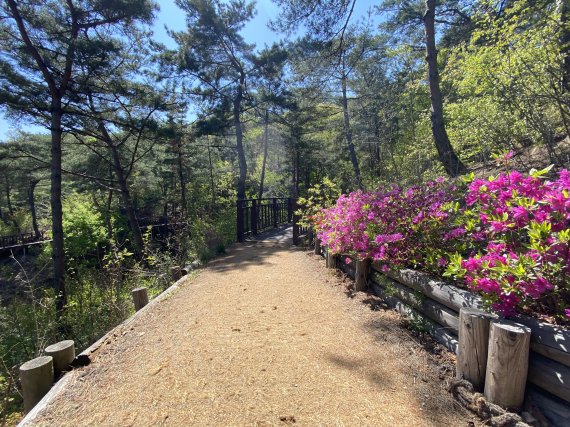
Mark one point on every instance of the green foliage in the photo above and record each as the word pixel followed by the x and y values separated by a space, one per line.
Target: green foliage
pixel 319 196
pixel 507 80
pixel 83 226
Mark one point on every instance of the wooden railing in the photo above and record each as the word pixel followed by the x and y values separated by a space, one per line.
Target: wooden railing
pixel 16 240
pixel 257 215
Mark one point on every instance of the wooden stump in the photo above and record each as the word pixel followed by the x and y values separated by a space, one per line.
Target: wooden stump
pixel 361 275
pixel 175 272
pixel 318 248
pixel 507 364
pixel 36 378
pixel 140 298
pixel 473 346
pixel 331 260
pixel 63 354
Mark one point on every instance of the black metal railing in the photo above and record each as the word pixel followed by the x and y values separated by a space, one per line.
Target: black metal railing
pixel 257 215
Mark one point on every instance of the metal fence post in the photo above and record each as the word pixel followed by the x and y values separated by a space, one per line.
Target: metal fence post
pixel 239 216
pixel 254 217
pixel 275 212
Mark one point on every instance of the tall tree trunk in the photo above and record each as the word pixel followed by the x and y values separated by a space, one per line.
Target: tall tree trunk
pixel 563 7
pixel 126 198
pixel 212 185
pixel 452 164
pixel 377 153
pixel 348 133
pixel 32 203
pixel 58 251
pixel 239 139
pixel 295 174
pixel 182 180
pixel 265 149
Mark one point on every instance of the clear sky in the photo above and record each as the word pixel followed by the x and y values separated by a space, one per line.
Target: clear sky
pixel 256 31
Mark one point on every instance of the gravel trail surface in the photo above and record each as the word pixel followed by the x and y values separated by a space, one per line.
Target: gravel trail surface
pixel 264 336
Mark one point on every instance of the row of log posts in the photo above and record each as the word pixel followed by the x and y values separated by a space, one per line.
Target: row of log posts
pixel 493 355
pixel 38 375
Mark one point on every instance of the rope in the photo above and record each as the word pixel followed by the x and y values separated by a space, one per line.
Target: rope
pixel 494 415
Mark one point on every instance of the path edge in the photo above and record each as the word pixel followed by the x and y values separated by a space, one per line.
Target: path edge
pixel 59 386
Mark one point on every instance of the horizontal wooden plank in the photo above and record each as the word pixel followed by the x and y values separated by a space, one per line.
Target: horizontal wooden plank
pixel 441 334
pixel 550 352
pixel 543 334
pixel 554 410
pixel 437 312
pixel 440 291
pixel 550 376
pixel 552 336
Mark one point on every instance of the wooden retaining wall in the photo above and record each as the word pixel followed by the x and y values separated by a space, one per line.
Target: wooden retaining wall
pixel 434 305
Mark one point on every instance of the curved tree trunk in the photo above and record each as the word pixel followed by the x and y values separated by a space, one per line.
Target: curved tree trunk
pixel 452 164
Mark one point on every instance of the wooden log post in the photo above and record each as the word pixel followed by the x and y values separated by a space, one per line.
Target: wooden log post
pixel 175 272
pixel 473 346
pixel 331 259
pixel 140 298
pixel 318 248
pixel 63 354
pixel 507 364
pixel 361 275
pixel 36 378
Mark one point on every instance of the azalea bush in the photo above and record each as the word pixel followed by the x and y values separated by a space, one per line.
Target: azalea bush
pixel 505 237
pixel 523 222
pixel 397 227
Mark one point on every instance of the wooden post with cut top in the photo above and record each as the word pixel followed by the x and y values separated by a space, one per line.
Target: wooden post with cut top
pixel 36 378
pixel 140 298
pixel 507 364
pixel 473 346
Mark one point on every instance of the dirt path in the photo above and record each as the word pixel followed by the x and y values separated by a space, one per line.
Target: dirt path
pixel 261 337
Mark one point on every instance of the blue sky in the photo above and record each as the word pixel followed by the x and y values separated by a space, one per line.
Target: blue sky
pixel 256 31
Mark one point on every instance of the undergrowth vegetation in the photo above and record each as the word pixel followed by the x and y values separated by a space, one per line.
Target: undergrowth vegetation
pixel 102 270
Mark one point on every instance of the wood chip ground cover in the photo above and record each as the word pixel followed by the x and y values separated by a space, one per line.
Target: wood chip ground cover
pixel 264 336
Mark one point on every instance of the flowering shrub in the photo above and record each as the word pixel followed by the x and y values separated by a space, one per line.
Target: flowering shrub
pixel 507 237
pixel 396 227
pixel 523 222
